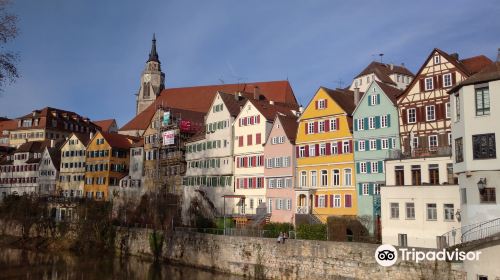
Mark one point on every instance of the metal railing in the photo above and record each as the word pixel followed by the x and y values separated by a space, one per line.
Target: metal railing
pixel 248 232
pixel 302 210
pixel 420 153
pixel 469 233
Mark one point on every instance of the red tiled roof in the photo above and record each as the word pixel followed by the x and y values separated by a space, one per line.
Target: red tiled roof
pixel 199 99
pixel 391 92
pixel 105 125
pixel 7 125
pixel 290 126
pixel 33 146
pixel 476 63
pixel 383 71
pixel 47 114
pixel 116 140
pixel 489 73
pixel 344 98
pixel 269 111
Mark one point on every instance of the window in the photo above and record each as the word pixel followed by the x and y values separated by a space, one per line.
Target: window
pixel 459 156
pixel 336 177
pixel 303 179
pixel 482 101
pixel 333 124
pixel 402 240
pixel 373 99
pixel 483 146
pixel 321 201
pixel 251 203
pixel 314 179
pixel 429 83
pixel 288 204
pixel 346 147
pixel 279 183
pixel 321 104
pixel 412 115
pixel 414 142
pixel 430 113
pixel 312 150
pixel 488 195
pixel 457 108
pixel 373 145
pixel 385 144
pixel 321 126
pixel 324 178
pixel 365 189
pixel 334 148
pixel 448 110
pixel 270 206
pixel 371 123
pixel 451 179
pixel 361 145
pixel 416 175
pixel 347 177
pixel 437 59
pixel 433 141
pixel 410 211
pixel 434 174
pixel 322 149
pixel 337 201
pixel 447 80
pixel 302 151
pixel 394 210
pixel 431 212
pixel 449 138
pixel 449 212
pixel 310 128
pixel 376 189
pixel 383 121
pixel 361 124
pixel 362 167
pixel 374 167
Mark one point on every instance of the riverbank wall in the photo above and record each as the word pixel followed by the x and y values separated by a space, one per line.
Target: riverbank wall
pixel 264 258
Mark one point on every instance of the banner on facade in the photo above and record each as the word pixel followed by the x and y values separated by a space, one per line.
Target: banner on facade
pixel 166 118
pixel 185 126
pixel 168 137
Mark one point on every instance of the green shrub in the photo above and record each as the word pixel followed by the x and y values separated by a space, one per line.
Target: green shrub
pixel 273 230
pixel 219 223
pixel 312 232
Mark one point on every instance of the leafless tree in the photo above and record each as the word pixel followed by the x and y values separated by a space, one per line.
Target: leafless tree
pixel 8 31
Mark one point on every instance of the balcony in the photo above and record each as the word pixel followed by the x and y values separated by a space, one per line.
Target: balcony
pixel 420 153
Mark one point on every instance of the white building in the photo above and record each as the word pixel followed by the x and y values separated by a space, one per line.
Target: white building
pixel 475 131
pixel 251 129
pixel 393 75
pixel 419 202
pixel 48 169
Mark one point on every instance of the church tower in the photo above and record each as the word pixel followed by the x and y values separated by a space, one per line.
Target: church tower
pixel 152 80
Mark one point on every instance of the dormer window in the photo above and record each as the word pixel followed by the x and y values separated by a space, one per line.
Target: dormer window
pixel 27 123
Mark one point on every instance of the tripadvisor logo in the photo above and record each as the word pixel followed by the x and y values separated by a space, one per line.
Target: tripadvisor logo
pixel 387 255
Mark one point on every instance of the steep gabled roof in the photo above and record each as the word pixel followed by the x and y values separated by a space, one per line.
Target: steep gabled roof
pixel 269 111
pixel 119 141
pixel 233 105
pixel 391 92
pixel 33 147
pixel 344 98
pixel 290 126
pixel 383 71
pixel 199 99
pixel 105 125
pixel 465 66
pixel 489 73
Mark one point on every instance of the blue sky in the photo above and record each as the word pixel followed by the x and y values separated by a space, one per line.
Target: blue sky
pixel 86 56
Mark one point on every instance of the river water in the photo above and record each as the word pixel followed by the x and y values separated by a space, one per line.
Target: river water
pixel 23 264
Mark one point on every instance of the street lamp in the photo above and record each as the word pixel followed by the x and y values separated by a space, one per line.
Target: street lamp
pixel 481 184
pixel 458 215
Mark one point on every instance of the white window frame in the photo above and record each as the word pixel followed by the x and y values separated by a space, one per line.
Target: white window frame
pixel 365 189
pixel 448 110
pixel 374 167
pixel 337 201
pixel 321 127
pixel 324 178
pixel 334 148
pixel 429 83
pixel 373 144
pixel 302 151
pixel 312 150
pixel 384 143
pixel 361 124
pixel 447 82
pixel 437 59
pixel 310 128
pixel 303 178
pixel 336 177
pixel 321 104
pixel 321 201
pixel 345 147
pixel 322 149
pixel 376 189
pixel 430 140
pixel 411 113
pixel 383 121
pixel 373 99
pixel 361 145
pixel 371 122
pixel 333 124
pixel 430 113
pixel 347 177
pixel 362 167
pixel 314 178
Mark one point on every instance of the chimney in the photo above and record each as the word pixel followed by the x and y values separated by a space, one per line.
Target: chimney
pixel 237 96
pixel 391 66
pixel 91 135
pixel 271 102
pixel 356 96
pixel 301 109
pixel 454 55
pixel 256 93
pixel 52 143
pixel 498 55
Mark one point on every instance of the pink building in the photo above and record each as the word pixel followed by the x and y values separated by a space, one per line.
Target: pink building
pixel 279 153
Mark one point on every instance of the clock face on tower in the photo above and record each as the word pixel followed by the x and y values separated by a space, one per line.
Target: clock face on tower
pixel 147 78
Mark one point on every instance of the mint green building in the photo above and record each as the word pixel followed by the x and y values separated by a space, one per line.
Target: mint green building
pixel 376 132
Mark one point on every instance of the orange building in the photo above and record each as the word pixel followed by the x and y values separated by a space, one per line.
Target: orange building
pixel 107 162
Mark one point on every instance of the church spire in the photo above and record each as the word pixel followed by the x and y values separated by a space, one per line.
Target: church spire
pixel 153 55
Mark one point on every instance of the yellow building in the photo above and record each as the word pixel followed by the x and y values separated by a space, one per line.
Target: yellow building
pixel 107 161
pixel 325 159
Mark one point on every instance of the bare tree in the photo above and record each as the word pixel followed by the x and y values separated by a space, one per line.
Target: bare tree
pixel 8 31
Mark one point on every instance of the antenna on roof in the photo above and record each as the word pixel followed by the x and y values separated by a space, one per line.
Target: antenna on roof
pixel 340 83
pixel 221 81
pixel 381 55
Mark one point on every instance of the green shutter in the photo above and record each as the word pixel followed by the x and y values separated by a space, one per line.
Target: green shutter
pixel 355 125
pixel 369 99
pixel 357 168
pixel 355 146
pixel 378 98
pixel 377 122
pixel 381 166
pixel 388 120
pixel 379 144
pixel 368 167
pixel 370 188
